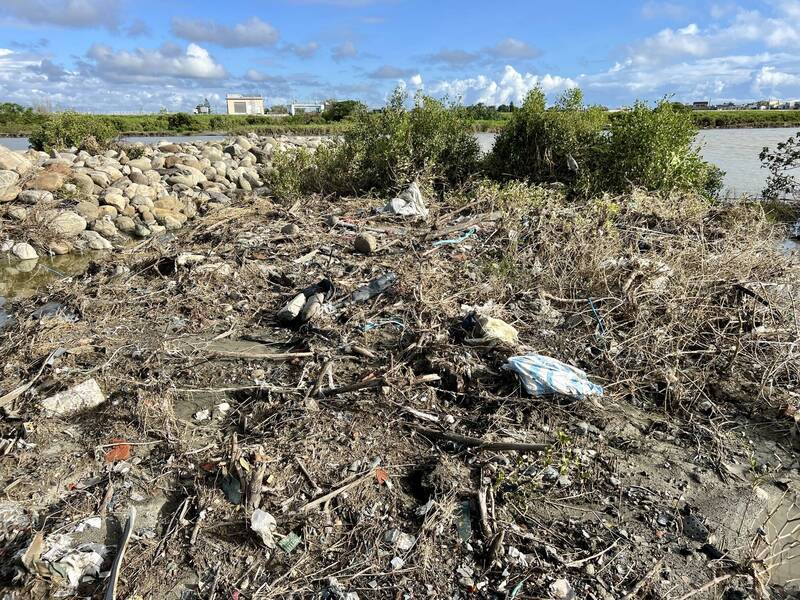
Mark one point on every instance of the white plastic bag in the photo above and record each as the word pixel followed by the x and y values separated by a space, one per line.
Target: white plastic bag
pixel 543 376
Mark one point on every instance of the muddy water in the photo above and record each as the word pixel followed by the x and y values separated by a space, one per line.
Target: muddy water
pixel 20 278
pixel 782 533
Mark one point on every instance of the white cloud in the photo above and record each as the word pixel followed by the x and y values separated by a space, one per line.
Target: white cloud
pixel 415 81
pixel 769 79
pixel 64 13
pixel 148 65
pixel 303 50
pixel 344 51
pixel 512 86
pixel 252 33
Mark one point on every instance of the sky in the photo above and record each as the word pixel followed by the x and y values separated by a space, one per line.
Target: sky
pixel 131 56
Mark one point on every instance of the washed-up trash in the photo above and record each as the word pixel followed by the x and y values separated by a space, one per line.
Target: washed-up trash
pixel 84 396
pixel 68 562
pixel 397 563
pixel 469 233
pixel 233 489
pixel 374 287
pixel 264 524
pixel 562 590
pixel 402 541
pixel 289 542
pixel 464 525
pixel 491 331
pixel 544 376
pixel 307 304
pixel 14 520
pixel 370 325
pixel 408 204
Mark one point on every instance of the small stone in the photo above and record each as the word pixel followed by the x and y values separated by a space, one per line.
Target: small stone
pixel 95 241
pixel 397 563
pixel 24 251
pixel 125 224
pixel 59 247
pixel 202 415
pixel 290 229
pixel 562 590
pixel 550 474
pixel 365 243
pixel 331 220
pixel 67 224
pixel 78 398
pixel 141 231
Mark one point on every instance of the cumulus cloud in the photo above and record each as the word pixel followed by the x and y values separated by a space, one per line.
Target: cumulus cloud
pixel 769 79
pixel 64 13
pixel 252 33
pixel 149 65
pixel 511 86
pixel 303 50
pixel 344 51
pixel 50 70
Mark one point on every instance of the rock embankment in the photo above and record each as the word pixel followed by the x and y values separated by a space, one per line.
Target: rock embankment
pixel 73 201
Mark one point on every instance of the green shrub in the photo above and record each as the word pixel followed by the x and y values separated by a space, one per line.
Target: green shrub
pixel 343 109
pixel 68 129
pixel 385 151
pixel 389 149
pixel 537 142
pixel 643 147
pixel 782 162
pixel 653 149
pixel 180 121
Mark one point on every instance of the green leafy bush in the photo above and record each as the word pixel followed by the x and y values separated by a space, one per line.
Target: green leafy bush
pixel 643 147
pixel 537 142
pixel 782 162
pixel 180 121
pixel 68 129
pixel 385 151
pixel 653 149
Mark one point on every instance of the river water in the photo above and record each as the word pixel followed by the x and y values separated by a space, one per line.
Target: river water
pixel 735 151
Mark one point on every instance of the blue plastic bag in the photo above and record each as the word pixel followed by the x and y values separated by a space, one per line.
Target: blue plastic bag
pixel 544 376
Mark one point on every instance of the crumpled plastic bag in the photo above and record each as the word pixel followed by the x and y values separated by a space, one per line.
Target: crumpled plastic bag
pixel 264 524
pixel 408 204
pixel 544 376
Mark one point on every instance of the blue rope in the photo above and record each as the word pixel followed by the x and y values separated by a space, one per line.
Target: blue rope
pixel 470 232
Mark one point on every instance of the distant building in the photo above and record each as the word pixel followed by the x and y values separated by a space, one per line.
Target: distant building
pixel 312 107
pixel 244 105
pixel 700 105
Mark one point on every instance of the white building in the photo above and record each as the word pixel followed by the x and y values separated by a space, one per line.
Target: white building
pixel 244 105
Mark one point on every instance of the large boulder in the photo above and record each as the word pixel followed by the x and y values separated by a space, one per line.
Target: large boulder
pixel 143 164
pixel 9 190
pixel 83 182
pixel 66 224
pixel 46 180
pixel 125 224
pixel 13 161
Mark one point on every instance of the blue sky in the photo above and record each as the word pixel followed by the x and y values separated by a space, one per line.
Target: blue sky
pixel 142 55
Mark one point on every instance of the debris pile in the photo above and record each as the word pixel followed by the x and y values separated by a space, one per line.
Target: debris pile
pixel 560 402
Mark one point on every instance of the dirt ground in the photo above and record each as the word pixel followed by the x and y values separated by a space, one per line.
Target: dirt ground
pixel 346 429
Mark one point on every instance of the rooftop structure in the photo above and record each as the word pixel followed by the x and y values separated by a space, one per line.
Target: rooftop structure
pixel 238 104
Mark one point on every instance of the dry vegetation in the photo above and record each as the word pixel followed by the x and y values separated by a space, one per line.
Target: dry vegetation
pixel 685 312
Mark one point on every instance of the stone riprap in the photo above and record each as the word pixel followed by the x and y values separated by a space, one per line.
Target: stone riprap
pixel 73 201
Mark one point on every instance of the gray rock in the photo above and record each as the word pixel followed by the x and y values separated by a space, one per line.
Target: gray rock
pixel 365 243
pixel 35 196
pixel 88 210
pixel 290 229
pixel 81 397
pixel 141 231
pixel 95 241
pixel 105 227
pixel 125 224
pixel 14 161
pixel 67 224
pixel 9 189
pixel 24 251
